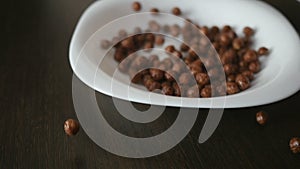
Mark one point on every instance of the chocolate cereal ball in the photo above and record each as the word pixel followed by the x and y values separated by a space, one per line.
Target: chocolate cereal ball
pixel 136 6
pixel 156 74
pixel 242 81
pixel 206 92
pixel 232 88
pixel 185 78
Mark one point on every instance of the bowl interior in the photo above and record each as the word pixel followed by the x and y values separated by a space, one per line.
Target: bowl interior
pixel 86 56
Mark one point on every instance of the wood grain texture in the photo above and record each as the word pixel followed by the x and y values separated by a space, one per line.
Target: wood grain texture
pixel 36 98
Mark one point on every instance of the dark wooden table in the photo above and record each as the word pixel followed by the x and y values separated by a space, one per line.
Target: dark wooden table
pixel 36 98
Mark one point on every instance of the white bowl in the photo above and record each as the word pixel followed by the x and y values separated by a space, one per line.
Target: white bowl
pixel 278 79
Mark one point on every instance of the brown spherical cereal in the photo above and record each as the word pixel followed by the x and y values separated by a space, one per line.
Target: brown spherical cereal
pixel 295 145
pixel 184 47
pixel 188 59
pixel 71 127
pixel 224 40
pixel 197 63
pixel 153 85
pixel 165 83
pixel 170 49
pixel 263 51
pixel 193 92
pixel 170 75
pixel 185 78
pixel 202 79
pixel 213 73
pixel 177 54
pixel 167 63
pixel 220 89
pixel 136 6
pixel 146 78
pixel 230 69
pixel 148 46
pixel 175 30
pixel 156 63
pixel 209 63
pixel 243 66
pixel 156 74
pixel 238 43
pixel 242 81
pixel 124 65
pixel 242 52
pixel 154 11
pixel 232 35
pixel 137 30
pixel 177 91
pixel 254 66
pixel 128 43
pixel 167 90
pixel 248 31
pixel 226 28
pixel 214 30
pixel 119 55
pixel 229 56
pixel 162 67
pixel 195 69
pixel 150 37
pixel 139 40
pixel 144 72
pixel 230 78
pixel 140 62
pixel 178 67
pixel 250 56
pixel 159 40
pixel 176 11
pixel 216 46
pixel 153 58
pixel 105 44
pixel 206 92
pixel 204 31
pixel 154 26
pixel 261 118
pixel 192 52
pixel 135 76
pixel 222 50
pixel 122 33
pixel 248 74
pixel 232 88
